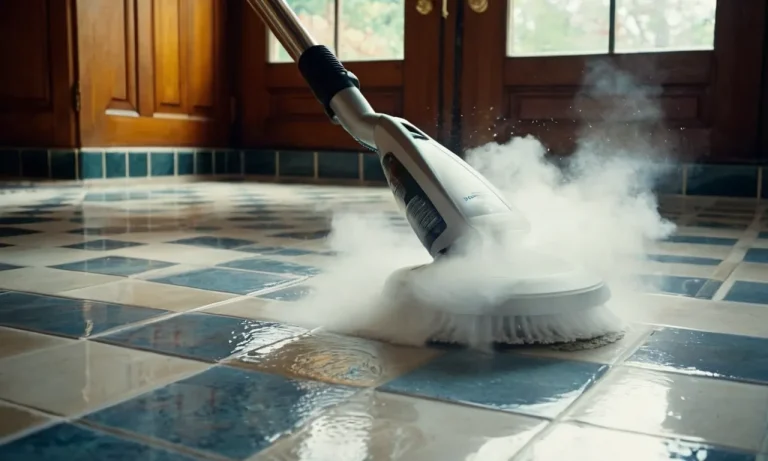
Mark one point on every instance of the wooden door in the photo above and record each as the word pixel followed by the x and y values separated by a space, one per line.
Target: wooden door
pixel 37 74
pixel 153 72
pixel 393 46
pixel 684 72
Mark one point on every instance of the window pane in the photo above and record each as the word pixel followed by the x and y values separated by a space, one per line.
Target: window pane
pixel 317 16
pixel 558 27
pixel 665 25
pixel 371 30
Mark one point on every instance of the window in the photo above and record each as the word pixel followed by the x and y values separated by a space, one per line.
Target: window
pixel 356 30
pixel 570 27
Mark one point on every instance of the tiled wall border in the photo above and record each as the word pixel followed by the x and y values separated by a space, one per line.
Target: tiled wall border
pixel 94 164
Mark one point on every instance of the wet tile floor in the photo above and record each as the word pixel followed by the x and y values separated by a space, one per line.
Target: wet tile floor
pixel 145 324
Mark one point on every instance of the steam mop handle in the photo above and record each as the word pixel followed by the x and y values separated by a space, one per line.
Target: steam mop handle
pixel 323 72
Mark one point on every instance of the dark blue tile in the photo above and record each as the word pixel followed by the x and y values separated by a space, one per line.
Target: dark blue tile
pixel 508 382
pixel 587 443
pixel 677 285
pixel 115 163
pixel 677 259
pixel 11 220
pixel 702 353
pixel 722 180
pixel 91 165
pixel 234 164
pixel 114 265
pixel 206 337
pixel 717 225
pixel 702 240
pixel 748 292
pixel 311 235
pixel 7 267
pixel 743 216
pixel 103 245
pixel 271 266
pixel 259 162
pixel 297 163
pixel 252 219
pixel 226 280
pixel 138 164
pixel 338 165
pixel 161 163
pixel 118 196
pixel 224 411
pixel 34 164
pixel 268 226
pixel 281 251
pixel 99 230
pixel 756 255
pixel 186 162
pixel 10 163
pixel 207 241
pixel 220 162
pixel 372 170
pixel 669 181
pixel 68 317
pixel 5 245
pixel 204 163
pixel 65 442
pixel 63 164
pixel 14 232
pixel 290 294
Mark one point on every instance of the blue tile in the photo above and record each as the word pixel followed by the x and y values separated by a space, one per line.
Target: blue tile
pixel 281 251
pixel 186 162
pixel 114 265
pixel 503 381
pixel 206 337
pixel 677 259
pixel 297 163
pixel 372 170
pixel 290 294
pixel 338 165
pixel 63 164
pixel 748 292
pixel 756 255
pixel 99 230
pixel 206 241
pixel 587 443
pixel 271 266
pixel 220 162
pixel 225 280
pixel 103 245
pixel 253 218
pixel 717 225
pixel 91 165
pixel 68 317
pixel 224 411
pixel 259 162
pixel 268 226
pixel 10 163
pixel 234 163
pixel 65 442
pixel 116 164
pixel 8 267
pixel 312 235
pixel 677 285
pixel 119 196
pixel 702 240
pixel 138 164
pixel 717 355
pixel 34 164
pixel 722 180
pixel 161 164
pixel 670 181
pixel 204 163
pixel 14 232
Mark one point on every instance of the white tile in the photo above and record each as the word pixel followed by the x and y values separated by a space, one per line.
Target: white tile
pixel 182 254
pixel 49 281
pixel 40 256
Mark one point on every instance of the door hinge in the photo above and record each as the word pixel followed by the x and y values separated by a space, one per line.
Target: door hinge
pixel 76 96
pixel 232 109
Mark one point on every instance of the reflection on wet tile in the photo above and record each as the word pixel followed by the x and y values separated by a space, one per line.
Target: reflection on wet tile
pixel 279 251
pixel 86 375
pixel 290 294
pixel 678 259
pixel 103 245
pixel 508 382
pixel 573 442
pixel 685 286
pixel 273 266
pixel 670 405
pixel 239 412
pixel 66 442
pixel 204 336
pixel 15 342
pixel 205 241
pixel 114 265
pixel 225 280
pixel 380 426
pixel 748 292
pixel 705 354
pixel 67 317
pixel 15 419
pixel 336 359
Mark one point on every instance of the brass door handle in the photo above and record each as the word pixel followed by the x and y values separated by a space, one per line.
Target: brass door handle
pixel 426 6
pixel 478 6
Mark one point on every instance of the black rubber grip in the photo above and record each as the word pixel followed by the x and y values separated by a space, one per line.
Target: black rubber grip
pixel 325 75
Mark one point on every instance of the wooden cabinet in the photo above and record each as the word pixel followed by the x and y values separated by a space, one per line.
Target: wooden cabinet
pixel 37 73
pixel 153 72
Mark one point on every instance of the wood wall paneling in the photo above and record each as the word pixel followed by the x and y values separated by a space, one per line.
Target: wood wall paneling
pixel 153 72
pixel 35 85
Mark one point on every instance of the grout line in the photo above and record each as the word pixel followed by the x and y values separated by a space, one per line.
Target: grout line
pixel 316 165
pixel 277 164
pixel 49 154
pixel 685 181
pixel 360 166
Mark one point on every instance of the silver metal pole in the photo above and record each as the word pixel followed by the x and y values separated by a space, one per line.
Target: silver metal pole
pixel 282 21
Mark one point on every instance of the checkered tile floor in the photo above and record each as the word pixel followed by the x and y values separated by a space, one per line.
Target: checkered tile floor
pixel 132 327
